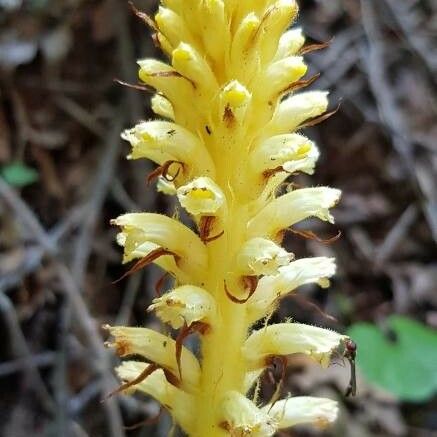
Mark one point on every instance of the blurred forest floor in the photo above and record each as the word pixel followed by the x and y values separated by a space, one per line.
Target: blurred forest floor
pixel 64 176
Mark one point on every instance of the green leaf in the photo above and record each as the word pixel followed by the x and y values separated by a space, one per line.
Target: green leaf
pixel 405 365
pixel 19 174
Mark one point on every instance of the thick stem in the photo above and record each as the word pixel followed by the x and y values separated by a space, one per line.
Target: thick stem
pixel 223 367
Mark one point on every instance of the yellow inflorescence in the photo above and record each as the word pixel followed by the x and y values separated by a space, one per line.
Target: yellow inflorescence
pixel 225 143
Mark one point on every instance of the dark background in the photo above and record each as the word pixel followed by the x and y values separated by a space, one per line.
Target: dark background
pixel 61 114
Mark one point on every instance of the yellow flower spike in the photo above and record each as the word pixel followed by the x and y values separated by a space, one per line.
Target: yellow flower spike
pixel 169 234
pixel 228 145
pixel 271 288
pixel 185 304
pixel 289 44
pixel 292 208
pixel 289 152
pixel 302 410
pixel 296 109
pixel 260 256
pixel 241 417
pixel 202 196
pixel 179 403
pixel 284 339
pixel 158 349
pixel 161 106
pixel 163 141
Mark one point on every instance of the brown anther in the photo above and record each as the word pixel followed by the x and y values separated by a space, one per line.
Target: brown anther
pixel 149 258
pixel 147 422
pixel 299 84
pixel 313 47
pixel 252 282
pixel 138 87
pixel 200 327
pixel 319 119
pixel 310 235
pixel 143 16
pixel 140 378
pixel 206 224
pixel 163 170
pixel 228 117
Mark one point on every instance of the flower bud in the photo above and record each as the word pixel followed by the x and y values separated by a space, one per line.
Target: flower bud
pixel 161 106
pixel 290 43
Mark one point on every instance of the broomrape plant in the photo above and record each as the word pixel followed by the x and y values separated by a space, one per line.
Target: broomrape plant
pixel 225 142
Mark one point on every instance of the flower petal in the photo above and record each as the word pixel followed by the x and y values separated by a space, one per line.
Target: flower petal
pixel 141 228
pixel 159 349
pixel 299 410
pixel 290 338
pixel 292 208
pixel 156 385
pixel 270 289
pixel 241 417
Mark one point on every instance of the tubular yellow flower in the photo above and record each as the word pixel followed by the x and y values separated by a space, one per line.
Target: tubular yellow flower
pixel 226 142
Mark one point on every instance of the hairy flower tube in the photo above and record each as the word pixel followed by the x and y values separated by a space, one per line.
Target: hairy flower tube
pixel 229 133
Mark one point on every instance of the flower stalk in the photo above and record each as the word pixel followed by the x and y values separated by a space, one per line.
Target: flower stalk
pixel 227 138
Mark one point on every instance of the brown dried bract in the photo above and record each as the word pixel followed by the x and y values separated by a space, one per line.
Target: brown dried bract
pixel 310 235
pixel 200 327
pixel 299 84
pixel 135 86
pixel 149 258
pixel 313 47
pixel 143 16
pixel 319 119
pixel 140 378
